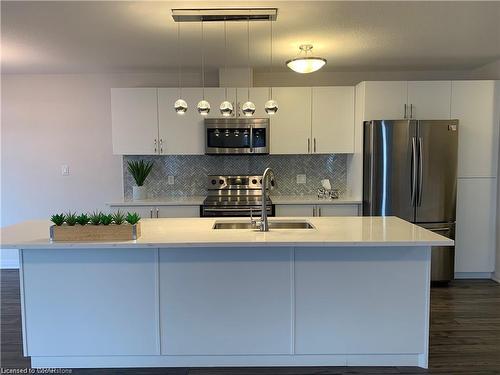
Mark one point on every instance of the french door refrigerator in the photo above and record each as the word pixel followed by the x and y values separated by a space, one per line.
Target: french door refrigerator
pixel 410 171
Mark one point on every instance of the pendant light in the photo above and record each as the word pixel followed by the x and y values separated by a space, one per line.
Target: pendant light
pixel 306 63
pixel 271 106
pixel 226 108
pixel 248 107
pixel 180 104
pixel 203 105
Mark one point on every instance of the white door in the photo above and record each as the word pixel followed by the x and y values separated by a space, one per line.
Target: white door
pixel 291 125
pixel 385 100
pixel 475 231
pixel 338 210
pixel 429 100
pixel 258 95
pixel 134 121
pixel 333 120
pixel 180 134
pixel 215 96
pixel 475 105
pixel 298 210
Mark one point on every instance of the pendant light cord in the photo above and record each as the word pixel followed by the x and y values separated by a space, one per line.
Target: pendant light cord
pixel 248 56
pixel 179 57
pixel 202 62
pixel 225 55
pixel 271 55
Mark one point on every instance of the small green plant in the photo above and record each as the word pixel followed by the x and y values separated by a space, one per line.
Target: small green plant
pixel 118 217
pixel 139 170
pixel 95 218
pixel 58 219
pixel 106 219
pixel 82 219
pixel 133 218
pixel 71 218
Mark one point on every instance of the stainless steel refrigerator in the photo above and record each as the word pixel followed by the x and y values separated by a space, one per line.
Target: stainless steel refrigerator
pixel 410 171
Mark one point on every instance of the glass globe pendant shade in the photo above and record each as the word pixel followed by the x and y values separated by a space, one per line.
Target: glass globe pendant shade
pixel 180 106
pixel 271 107
pixel 248 109
pixel 203 107
pixel 226 108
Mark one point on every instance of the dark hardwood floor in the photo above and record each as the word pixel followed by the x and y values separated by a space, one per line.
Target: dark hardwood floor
pixel 465 337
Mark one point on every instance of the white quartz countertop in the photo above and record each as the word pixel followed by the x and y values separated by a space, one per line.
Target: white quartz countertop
pixel 198 200
pixel 198 232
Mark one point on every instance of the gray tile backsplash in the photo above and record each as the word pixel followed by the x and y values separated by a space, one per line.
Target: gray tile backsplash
pixel 190 172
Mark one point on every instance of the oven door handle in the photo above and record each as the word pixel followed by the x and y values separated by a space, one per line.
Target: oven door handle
pixel 232 209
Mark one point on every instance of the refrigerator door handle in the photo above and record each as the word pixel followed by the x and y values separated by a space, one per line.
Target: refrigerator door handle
pixel 413 182
pixel 420 170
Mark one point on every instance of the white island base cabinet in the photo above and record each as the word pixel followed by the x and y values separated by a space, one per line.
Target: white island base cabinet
pixel 226 306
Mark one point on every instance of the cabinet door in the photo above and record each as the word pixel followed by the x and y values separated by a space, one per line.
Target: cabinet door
pixel 333 120
pixel 429 100
pixel 145 212
pixel 225 301
pixel 258 95
pixel 215 96
pixel 385 100
pixel 338 210
pixel 178 211
pixel 475 105
pixel 475 233
pixel 298 210
pixel 291 125
pixel 134 121
pixel 181 134
pixel 91 302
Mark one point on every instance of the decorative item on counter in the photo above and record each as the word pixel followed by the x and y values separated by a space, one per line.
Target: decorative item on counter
pixel 326 191
pixel 105 227
pixel 139 171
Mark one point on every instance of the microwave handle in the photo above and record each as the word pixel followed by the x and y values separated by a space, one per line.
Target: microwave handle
pixel 251 138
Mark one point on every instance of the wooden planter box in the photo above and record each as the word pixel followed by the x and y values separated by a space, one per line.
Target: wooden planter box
pixel 89 232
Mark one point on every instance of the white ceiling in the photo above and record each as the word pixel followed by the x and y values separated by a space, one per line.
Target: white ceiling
pixel 115 36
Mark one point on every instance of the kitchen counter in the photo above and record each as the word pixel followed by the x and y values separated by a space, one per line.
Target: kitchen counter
pixel 185 232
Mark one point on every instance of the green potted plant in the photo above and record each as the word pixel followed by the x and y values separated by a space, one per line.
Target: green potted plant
pixel 139 171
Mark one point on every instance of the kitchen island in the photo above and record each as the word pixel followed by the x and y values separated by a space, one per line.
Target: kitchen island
pixel 349 291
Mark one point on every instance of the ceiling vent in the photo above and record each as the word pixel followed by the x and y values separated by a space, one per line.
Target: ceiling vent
pixel 224 14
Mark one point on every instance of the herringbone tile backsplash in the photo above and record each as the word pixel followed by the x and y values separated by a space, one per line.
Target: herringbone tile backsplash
pixel 190 172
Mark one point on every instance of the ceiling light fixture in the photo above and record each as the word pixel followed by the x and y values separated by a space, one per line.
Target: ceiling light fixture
pixel 180 104
pixel 226 108
pixel 203 105
pixel 271 106
pixel 248 107
pixel 306 63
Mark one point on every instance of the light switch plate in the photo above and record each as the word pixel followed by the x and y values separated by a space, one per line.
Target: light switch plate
pixel 301 178
pixel 65 170
pixel 170 180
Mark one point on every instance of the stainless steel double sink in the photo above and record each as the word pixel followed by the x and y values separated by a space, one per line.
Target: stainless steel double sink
pixel 273 224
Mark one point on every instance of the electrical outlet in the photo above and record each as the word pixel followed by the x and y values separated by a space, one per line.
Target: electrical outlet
pixel 301 178
pixel 65 170
pixel 170 180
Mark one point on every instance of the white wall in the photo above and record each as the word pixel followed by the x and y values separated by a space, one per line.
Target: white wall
pixel 50 120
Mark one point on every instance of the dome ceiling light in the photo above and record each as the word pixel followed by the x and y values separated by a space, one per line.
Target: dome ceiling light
pixel 305 62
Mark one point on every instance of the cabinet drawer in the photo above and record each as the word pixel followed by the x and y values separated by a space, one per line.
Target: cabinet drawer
pixel 337 210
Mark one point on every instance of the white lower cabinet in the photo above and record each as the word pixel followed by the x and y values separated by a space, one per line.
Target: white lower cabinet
pixel 154 212
pixel 309 210
pixel 476 222
pixel 225 301
pixel 87 288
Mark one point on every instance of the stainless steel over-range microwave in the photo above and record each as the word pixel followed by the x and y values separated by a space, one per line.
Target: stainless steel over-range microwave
pixel 236 136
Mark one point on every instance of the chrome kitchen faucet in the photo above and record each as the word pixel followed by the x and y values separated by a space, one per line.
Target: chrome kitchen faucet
pixel 268 179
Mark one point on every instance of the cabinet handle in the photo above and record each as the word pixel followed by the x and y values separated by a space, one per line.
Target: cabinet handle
pixel 314 144
pixel 314 211
pixel 161 145
pixel 308 146
pixel 411 110
pixel 156 149
pixel 157 213
pixel 319 211
pixel 405 111
pixel 151 213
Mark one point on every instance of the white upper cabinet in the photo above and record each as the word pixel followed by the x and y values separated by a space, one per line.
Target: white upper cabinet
pixel 476 105
pixel 258 95
pixel 429 100
pixel 181 134
pixel 215 96
pixel 385 100
pixel 291 125
pixel 332 120
pixel 134 119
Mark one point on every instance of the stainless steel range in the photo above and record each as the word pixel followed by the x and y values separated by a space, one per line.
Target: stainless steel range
pixel 235 196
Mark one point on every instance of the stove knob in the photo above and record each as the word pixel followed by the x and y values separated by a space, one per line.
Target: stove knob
pixel 254 181
pixel 260 181
pixel 214 182
pixel 221 182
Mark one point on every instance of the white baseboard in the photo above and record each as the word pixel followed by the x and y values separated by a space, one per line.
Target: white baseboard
pixel 496 277
pixel 474 275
